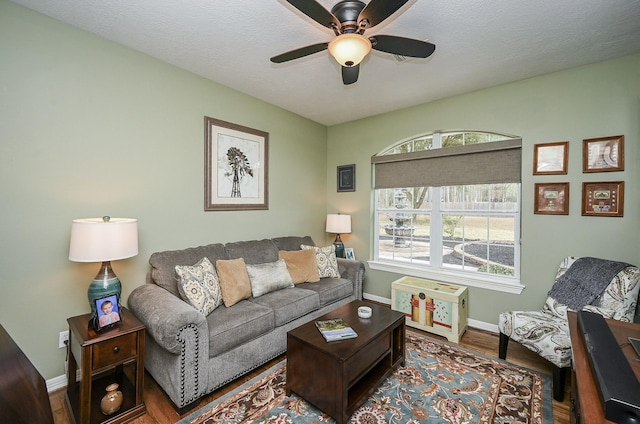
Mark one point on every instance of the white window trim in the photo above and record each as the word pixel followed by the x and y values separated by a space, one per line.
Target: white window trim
pixel 494 283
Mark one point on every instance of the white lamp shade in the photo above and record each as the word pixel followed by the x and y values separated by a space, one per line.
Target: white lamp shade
pixel 338 224
pixel 97 240
pixel 349 49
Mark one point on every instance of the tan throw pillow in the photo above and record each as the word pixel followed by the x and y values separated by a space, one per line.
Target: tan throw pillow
pixel 326 260
pixel 301 265
pixel 268 277
pixel 234 281
pixel 199 286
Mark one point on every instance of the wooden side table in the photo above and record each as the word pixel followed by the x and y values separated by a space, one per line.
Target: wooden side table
pixel 113 356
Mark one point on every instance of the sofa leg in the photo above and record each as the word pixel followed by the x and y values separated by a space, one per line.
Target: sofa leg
pixel 559 378
pixel 502 348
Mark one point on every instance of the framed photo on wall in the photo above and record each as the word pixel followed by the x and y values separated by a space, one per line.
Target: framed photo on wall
pixel 550 158
pixel 603 198
pixel 551 199
pixel 604 154
pixel 235 167
pixel 347 177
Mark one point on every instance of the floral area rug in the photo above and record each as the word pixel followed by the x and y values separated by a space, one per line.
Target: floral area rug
pixel 440 383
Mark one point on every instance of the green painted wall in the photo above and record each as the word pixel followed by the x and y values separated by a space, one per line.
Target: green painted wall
pixel 592 101
pixel 89 128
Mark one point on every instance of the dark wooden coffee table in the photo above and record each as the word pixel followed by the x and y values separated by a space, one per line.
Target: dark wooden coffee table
pixel 338 377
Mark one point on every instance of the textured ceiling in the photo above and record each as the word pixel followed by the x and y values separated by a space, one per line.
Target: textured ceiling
pixel 479 44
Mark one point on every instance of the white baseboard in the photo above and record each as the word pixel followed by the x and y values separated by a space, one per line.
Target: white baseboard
pixel 56 383
pixel 474 323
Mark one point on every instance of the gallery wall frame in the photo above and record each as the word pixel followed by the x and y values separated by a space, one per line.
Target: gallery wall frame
pixel 347 177
pixel 551 198
pixel 236 167
pixel 604 198
pixel 550 158
pixel 604 154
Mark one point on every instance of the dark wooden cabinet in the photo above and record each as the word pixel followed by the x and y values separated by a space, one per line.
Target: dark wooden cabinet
pixel 23 391
pixel 113 356
pixel 337 377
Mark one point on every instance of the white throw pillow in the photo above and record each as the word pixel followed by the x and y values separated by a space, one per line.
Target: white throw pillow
pixel 326 260
pixel 268 277
pixel 199 286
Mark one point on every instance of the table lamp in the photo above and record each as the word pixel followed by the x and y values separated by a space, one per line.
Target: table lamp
pixel 337 224
pixel 103 240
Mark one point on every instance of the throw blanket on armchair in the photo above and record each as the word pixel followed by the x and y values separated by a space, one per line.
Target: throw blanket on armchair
pixel 584 281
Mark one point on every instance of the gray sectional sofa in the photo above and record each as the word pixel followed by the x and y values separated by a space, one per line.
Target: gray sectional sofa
pixel 190 354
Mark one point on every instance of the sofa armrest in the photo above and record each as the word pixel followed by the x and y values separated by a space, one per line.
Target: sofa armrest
pixel 354 271
pixel 165 316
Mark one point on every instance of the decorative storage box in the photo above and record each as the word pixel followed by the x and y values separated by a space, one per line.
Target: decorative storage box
pixel 438 308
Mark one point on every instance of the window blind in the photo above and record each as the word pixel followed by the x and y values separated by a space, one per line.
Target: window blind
pixel 482 163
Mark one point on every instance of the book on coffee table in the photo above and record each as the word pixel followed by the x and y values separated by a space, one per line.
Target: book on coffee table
pixel 335 329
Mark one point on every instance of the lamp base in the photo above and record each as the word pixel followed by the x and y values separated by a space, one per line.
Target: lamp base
pixel 104 284
pixel 339 249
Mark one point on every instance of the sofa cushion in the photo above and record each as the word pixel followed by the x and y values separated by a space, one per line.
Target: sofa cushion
pixel 231 327
pixel 234 281
pixel 199 286
pixel 292 242
pixel 326 260
pixel 330 289
pixel 269 277
pixel 289 304
pixel 163 264
pixel 253 251
pixel 301 265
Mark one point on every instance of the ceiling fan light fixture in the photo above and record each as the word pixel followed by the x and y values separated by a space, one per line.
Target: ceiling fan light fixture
pixel 349 49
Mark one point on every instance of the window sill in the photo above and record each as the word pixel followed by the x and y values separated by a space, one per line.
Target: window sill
pixel 495 283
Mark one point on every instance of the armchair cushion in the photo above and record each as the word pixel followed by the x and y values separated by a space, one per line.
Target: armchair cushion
pixel 541 332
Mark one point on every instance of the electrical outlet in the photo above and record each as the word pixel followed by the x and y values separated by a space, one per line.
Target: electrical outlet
pixel 63 339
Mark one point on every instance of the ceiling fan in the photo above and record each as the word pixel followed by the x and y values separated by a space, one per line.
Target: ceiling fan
pixel 349 19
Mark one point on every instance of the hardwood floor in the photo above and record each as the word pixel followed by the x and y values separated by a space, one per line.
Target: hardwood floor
pixel 161 411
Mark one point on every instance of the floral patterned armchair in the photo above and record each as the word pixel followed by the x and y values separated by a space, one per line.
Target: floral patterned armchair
pixel 546 332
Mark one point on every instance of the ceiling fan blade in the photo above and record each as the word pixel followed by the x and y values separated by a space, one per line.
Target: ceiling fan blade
pixel 298 53
pixel 379 10
pixel 350 74
pixel 402 46
pixel 315 11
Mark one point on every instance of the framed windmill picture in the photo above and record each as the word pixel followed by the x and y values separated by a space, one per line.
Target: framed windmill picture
pixel 235 167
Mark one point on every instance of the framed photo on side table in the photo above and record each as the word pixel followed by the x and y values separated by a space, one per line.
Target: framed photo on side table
pixel 604 154
pixel 550 158
pixel 107 313
pixel 551 199
pixel 603 198
pixel 348 252
pixel 235 167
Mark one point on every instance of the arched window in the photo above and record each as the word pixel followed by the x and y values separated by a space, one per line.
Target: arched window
pixel 447 206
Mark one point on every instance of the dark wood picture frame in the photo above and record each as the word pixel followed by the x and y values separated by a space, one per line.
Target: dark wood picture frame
pixel 347 177
pixel 605 154
pixel 551 199
pixel 604 198
pixel 236 171
pixel 550 158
